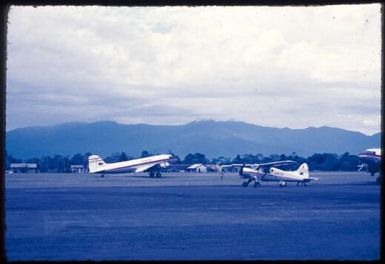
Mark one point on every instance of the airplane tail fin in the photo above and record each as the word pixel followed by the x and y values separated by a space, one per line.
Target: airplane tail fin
pixel 303 170
pixel 94 162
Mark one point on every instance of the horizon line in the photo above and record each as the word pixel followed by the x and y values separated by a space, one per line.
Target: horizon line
pixel 181 124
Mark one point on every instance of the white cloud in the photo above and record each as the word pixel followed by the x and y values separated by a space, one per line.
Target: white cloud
pixel 273 66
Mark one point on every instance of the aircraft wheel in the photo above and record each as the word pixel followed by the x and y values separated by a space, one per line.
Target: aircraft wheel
pixel 257 185
pixel 158 175
pixel 151 174
pixel 379 180
pixel 245 184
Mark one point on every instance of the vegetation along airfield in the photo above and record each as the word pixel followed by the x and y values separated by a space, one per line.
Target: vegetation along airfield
pixel 190 216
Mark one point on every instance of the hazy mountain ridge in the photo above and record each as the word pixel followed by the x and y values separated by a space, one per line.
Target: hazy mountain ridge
pixel 213 138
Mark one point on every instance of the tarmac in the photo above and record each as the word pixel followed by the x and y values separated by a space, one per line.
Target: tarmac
pixel 190 216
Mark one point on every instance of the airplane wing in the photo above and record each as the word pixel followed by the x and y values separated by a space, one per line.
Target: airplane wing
pixel 145 167
pixel 234 165
pixel 261 165
pixel 277 163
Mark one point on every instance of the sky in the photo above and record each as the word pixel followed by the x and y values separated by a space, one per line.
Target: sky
pixel 293 67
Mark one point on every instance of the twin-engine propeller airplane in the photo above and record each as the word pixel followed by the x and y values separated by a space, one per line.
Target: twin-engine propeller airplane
pixel 370 161
pixel 266 172
pixel 152 165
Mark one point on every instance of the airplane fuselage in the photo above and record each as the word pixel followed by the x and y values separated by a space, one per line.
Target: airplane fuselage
pixel 281 175
pixel 273 175
pixel 133 165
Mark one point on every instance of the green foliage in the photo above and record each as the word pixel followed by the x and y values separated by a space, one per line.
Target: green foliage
pixel 195 158
pixel 78 159
pixel 348 162
pixel 324 162
pixel 221 160
pixel 9 159
pixel 57 164
pixel 317 161
pixel 145 153
pixel 117 157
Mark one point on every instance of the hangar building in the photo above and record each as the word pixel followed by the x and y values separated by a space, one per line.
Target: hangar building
pixel 197 168
pixel 23 167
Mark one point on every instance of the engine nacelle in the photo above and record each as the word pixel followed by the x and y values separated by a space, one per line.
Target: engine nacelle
pixel 164 164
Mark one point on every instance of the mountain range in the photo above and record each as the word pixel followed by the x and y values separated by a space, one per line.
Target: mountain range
pixel 212 138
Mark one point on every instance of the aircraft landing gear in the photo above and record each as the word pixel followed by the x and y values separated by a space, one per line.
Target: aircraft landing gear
pixel 245 184
pixel 282 184
pixel 156 174
pixel 257 184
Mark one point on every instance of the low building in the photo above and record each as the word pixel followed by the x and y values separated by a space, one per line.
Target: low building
pixel 23 168
pixel 197 168
pixel 78 169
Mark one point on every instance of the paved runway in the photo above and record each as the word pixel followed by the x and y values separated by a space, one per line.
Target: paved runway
pixel 190 216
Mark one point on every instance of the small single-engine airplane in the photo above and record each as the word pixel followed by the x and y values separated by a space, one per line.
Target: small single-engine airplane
pixel 266 172
pixel 300 176
pixel 371 162
pixel 152 165
pixel 269 172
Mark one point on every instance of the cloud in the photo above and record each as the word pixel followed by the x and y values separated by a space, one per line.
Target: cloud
pixel 273 66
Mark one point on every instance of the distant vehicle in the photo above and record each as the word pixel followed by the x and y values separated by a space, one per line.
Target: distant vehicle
pixel 371 162
pixel 269 172
pixel 152 165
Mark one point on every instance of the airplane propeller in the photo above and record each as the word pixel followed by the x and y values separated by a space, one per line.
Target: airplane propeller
pixel 241 170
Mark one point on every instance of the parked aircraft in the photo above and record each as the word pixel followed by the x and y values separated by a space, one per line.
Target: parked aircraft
pixel 152 165
pixel 371 162
pixel 300 176
pixel 256 172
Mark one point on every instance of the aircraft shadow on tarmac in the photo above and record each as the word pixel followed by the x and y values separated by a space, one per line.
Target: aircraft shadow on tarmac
pixel 135 176
pixel 146 176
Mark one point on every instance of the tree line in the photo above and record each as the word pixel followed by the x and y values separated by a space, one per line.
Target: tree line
pixel 317 161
